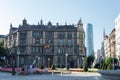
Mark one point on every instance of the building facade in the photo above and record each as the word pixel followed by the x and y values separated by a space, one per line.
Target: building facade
pixel 45 45
pixel 89 39
pixel 97 56
pixel 106 46
pixel 110 44
pixel 117 28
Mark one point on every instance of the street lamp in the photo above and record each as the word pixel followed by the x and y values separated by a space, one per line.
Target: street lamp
pixel 12 53
pixel 83 61
pixel 66 59
pixel 48 62
pixel 18 53
pixel 38 60
pixel 113 61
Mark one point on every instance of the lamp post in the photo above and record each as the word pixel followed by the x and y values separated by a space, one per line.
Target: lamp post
pixel 83 61
pixel 113 61
pixel 38 60
pixel 66 60
pixel 18 53
pixel 48 62
pixel 12 53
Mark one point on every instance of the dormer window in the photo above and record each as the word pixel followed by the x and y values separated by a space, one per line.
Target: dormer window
pixel 49 24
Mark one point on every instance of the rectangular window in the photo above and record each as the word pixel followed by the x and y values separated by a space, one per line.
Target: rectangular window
pixel 40 49
pixel 69 42
pixel 37 49
pixel 61 42
pixel 80 36
pixel 41 41
pixel 75 41
pixel 75 34
pixel 76 49
pixel 37 34
pixel 69 50
pixel 61 35
pixel 58 59
pixel 33 49
pixel 37 41
pixel 22 49
pixel 69 35
pixel 49 41
pixel 62 50
pixel 22 35
pixel 21 60
pixel 49 34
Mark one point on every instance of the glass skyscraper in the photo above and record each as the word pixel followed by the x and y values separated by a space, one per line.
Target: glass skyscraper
pixel 89 39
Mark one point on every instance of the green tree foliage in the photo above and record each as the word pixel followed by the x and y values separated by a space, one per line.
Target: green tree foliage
pixel 2 50
pixel 116 60
pixel 90 60
pixel 107 63
pixel 2 44
pixel 2 53
pixel 108 60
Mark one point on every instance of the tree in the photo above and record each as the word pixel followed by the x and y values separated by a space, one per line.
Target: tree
pixel 2 53
pixel 90 60
pixel 109 60
pixel 2 50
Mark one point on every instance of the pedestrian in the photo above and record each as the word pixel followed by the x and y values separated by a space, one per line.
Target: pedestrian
pixel 31 69
pixel 25 69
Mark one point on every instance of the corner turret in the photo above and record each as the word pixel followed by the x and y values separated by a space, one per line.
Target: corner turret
pixel 80 24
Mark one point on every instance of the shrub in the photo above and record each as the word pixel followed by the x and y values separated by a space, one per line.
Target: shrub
pixel 81 66
pixel 109 67
pixel 53 67
pixel 104 66
pixel 41 67
pixel 97 65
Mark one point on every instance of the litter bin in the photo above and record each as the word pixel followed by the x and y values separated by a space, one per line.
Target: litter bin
pixel 13 71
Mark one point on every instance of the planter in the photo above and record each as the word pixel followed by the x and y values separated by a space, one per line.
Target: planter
pixel 111 74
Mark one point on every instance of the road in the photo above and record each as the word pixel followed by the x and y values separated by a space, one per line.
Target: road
pixel 72 76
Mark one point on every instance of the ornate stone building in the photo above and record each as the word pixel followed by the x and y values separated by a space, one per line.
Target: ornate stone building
pixel 47 44
pixel 110 44
pixel 117 34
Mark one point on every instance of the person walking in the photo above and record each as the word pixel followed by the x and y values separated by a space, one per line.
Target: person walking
pixel 25 70
pixel 31 69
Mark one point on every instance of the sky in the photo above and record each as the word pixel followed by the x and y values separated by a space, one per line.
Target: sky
pixel 100 13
